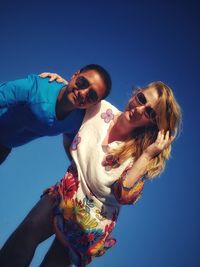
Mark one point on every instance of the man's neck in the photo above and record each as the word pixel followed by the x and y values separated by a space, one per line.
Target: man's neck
pixel 63 106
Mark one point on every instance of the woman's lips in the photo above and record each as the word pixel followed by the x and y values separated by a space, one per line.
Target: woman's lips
pixel 133 115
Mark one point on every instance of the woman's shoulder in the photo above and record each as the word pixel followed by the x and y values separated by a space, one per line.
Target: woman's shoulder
pixel 105 105
pixel 102 107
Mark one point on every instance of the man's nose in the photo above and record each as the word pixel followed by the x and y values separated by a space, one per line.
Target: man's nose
pixel 83 94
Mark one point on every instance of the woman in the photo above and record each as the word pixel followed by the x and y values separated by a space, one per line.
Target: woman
pixel 114 153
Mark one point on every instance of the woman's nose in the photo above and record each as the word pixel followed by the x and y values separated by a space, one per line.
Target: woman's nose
pixel 140 109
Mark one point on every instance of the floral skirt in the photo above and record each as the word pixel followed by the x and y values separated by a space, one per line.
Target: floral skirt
pixel 80 223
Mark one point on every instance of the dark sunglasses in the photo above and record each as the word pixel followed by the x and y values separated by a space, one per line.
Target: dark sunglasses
pixel 82 83
pixel 149 112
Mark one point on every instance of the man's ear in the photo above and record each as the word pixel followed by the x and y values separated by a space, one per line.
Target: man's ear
pixel 75 74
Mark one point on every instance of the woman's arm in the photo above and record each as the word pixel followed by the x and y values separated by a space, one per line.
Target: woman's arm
pixel 128 188
pixel 140 165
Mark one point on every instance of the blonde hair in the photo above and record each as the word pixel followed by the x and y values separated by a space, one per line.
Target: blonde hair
pixel 168 118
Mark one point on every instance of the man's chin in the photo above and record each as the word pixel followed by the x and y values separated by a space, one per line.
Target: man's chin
pixel 81 106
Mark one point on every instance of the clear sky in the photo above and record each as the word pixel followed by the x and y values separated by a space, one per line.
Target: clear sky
pixel 138 42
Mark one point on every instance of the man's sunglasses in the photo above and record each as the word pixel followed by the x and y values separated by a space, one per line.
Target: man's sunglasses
pixel 81 84
pixel 149 112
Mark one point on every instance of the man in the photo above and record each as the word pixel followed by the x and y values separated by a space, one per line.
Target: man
pixel 32 107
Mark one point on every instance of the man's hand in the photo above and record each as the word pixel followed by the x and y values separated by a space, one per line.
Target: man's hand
pixel 53 77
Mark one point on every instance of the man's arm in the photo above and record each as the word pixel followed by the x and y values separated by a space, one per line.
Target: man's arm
pixel 17 91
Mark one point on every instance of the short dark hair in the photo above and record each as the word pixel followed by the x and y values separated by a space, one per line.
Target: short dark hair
pixel 104 75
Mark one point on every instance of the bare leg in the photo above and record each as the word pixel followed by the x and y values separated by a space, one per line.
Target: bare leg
pixel 19 249
pixel 57 256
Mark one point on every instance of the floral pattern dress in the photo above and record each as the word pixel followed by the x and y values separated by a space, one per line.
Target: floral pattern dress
pixel 90 194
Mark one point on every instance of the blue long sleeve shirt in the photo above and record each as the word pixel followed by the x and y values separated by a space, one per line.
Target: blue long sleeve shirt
pixel 27 111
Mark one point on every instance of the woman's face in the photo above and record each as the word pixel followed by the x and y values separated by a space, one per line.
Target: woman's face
pixel 141 108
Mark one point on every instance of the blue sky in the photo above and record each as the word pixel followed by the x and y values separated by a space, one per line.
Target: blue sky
pixel 138 42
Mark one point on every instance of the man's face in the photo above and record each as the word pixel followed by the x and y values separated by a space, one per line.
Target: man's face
pixel 85 89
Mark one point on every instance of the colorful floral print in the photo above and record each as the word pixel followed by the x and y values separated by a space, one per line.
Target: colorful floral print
pixel 108 115
pixel 69 185
pixel 79 222
pixel 125 195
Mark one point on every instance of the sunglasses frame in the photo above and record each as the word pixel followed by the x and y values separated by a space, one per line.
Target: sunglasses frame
pixel 80 79
pixel 150 114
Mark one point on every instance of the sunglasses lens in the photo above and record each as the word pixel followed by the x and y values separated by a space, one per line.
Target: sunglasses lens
pixel 82 83
pixel 141 98
pixel 92 96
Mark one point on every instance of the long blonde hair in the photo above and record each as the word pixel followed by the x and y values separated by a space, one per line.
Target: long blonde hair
pixel 168 118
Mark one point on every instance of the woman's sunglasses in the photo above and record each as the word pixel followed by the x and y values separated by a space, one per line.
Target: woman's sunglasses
pixel 149 112
pixel 81 84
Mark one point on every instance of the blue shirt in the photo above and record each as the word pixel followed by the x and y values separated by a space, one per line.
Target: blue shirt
pixel 27 111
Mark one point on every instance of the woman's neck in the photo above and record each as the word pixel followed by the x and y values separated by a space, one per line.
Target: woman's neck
pixel 120 130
